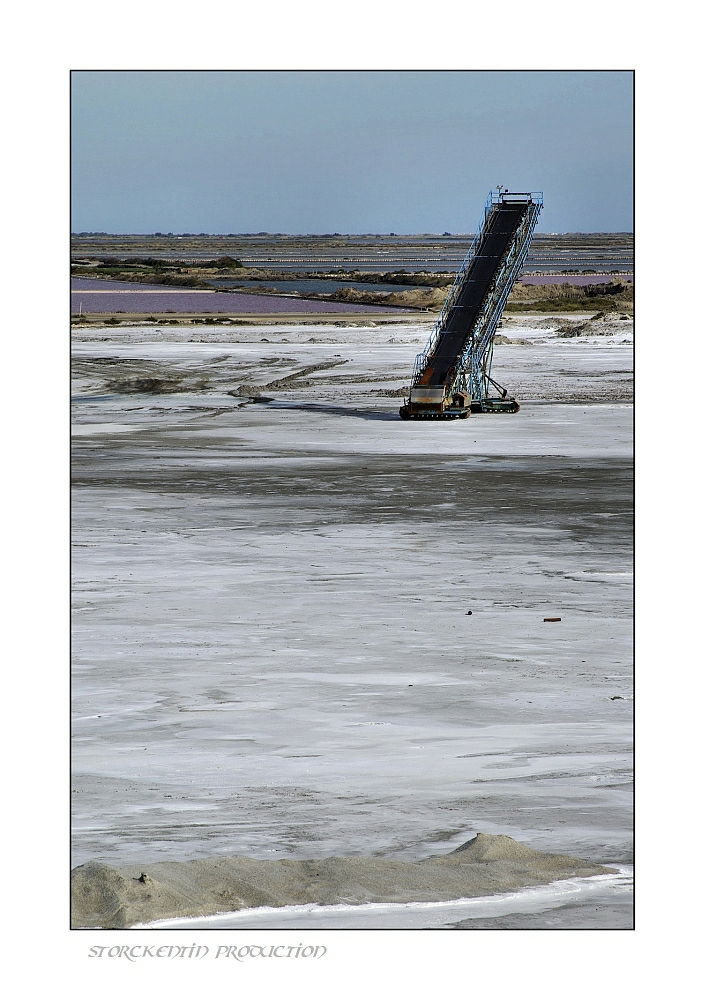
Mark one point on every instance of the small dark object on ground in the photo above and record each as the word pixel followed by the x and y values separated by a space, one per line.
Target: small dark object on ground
pixel 551 619
pixel 469 612
pixel 616 697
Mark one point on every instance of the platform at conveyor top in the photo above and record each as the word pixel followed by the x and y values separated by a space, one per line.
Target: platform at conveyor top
pixel 452 375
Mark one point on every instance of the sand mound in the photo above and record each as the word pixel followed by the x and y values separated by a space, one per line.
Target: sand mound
pixel 119 897
pixel 485 847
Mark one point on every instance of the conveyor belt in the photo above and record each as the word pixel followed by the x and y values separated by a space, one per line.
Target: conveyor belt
pixel 452 374
pixel 499 232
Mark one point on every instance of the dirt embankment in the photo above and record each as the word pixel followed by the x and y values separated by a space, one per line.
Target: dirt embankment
pixel 611 296
pixel 429 279
pixel 411 298
pixel 107 897
pixel 426 290
pixel 143 277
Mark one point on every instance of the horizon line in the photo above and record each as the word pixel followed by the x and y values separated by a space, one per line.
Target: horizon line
pixel 567 232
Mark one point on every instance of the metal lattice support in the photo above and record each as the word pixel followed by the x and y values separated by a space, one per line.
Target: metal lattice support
pixel 452 297
pixel 452 375
pixel 476 362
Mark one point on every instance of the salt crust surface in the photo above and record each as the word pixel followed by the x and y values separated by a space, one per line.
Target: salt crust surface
pixel 272 655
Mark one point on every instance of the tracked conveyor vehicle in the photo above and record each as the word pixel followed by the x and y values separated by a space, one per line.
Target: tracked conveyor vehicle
pixel 452 375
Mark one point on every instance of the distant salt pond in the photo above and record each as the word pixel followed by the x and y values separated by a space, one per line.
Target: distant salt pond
pixel 94 295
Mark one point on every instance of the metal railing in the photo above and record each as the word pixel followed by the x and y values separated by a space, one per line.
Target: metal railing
pixel 452 297
pixel 475 363
pixel 493 200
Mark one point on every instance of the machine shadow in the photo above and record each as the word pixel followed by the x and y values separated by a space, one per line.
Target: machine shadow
pixel 338 411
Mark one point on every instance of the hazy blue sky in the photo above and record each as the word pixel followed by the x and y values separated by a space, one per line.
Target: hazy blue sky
pixel 347 152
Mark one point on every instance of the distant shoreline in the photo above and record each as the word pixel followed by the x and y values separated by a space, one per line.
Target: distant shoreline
pixel 121 301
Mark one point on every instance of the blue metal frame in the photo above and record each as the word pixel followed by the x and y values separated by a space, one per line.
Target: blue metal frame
pixel 473 372
pixel 476 363
pixel 452 297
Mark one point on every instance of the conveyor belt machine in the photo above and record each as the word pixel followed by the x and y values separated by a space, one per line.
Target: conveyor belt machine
pixel 452 376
